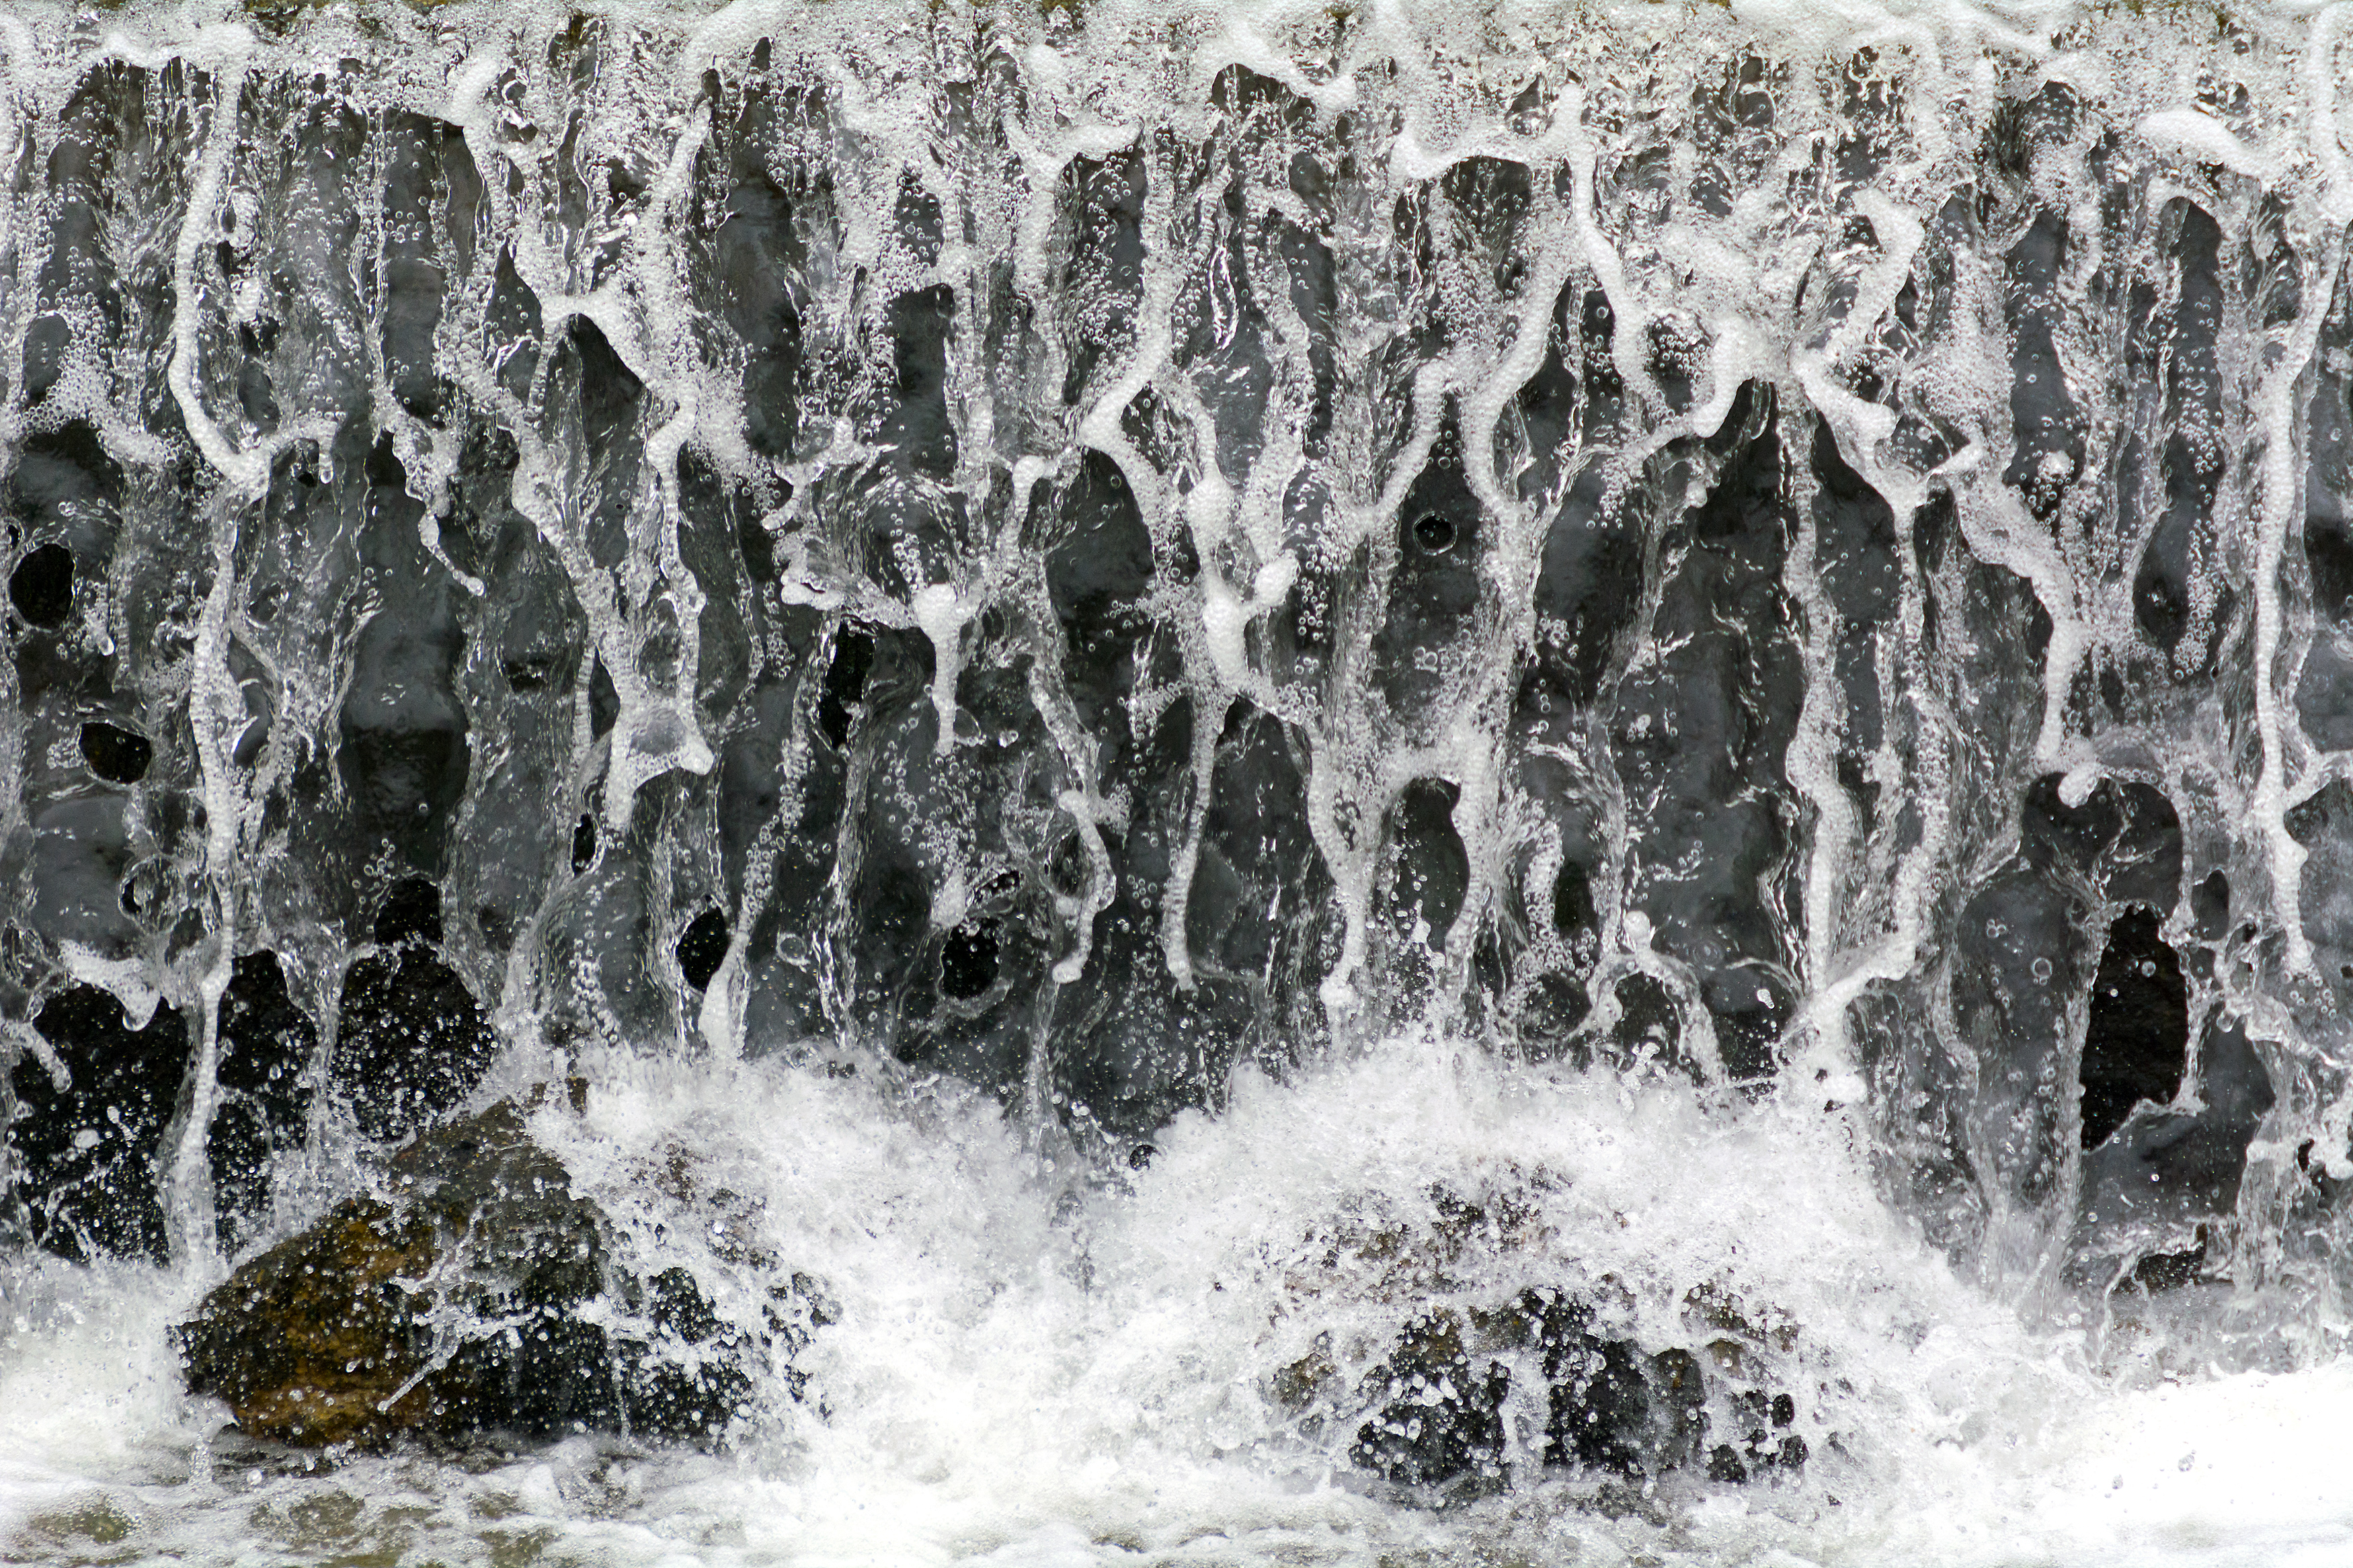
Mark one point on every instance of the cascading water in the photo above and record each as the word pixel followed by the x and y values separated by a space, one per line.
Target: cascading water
pixel 1285 749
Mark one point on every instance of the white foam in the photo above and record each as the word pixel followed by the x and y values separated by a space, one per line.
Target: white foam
pixel 2193 134
pixel 1007 1380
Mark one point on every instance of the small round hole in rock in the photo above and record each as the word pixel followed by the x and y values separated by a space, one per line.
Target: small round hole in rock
pixel 114 753
pixel 968 961
pixel 703 948
pixel 42 586
pixel 1435 534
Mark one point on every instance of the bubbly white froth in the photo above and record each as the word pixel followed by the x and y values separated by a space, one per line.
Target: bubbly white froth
pixel 1022 1378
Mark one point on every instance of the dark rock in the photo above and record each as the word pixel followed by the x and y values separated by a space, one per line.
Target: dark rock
pixel 2210 908
pixel 604 701
pixel 263 1087
pixel 2136 1044
pixel 414 1042
pixel 480 1295
pixel 2125 839
pixel 306 1342
pixel 702 947
pixel 86 1154
pixel 2020 956
pixel 845 683
pixel 411 912
pixel 968 961
pixel 1612 1407
pixel 1436 593
pixel 1432 871
pixel 2159 1271
pixel 89 1157
pixel 401 742
pixel 1430 1417
pixel 1720 703
pixel 2169 1171
pixel 1443 1421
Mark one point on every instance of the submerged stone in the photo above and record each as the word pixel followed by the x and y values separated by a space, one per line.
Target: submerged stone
pixel 1434 1416
pixel 479 1295
pixel 1612 1406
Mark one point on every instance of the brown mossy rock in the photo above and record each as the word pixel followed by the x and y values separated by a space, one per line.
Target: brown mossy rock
pixel 314 1340
pixel 478 1297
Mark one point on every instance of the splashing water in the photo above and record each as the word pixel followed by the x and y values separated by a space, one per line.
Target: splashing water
pixel 1167 692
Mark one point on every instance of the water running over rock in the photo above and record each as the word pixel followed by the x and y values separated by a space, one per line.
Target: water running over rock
pixel 1103 665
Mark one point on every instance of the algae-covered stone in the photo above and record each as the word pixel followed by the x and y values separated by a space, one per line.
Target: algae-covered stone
pixel 479 1295
pixel 320 1339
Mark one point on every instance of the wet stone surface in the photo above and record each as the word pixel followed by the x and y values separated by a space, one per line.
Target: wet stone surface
pixel 1485 1389
pixel 414 1041
pixel 479 1297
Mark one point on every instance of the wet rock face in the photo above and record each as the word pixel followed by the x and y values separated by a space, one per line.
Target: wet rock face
pixel 308 1340
pixel 414 1041
pixel 2137 1041
pixel 89 1164
pixel 479 1295
pixel 268 1044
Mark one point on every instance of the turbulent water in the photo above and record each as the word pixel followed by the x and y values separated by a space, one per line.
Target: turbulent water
pixel 1071 651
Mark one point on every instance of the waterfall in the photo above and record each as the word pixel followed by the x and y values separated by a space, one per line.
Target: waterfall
pixel 1190 705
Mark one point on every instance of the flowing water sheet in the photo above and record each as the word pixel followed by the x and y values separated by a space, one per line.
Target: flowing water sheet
pixel 1240 783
